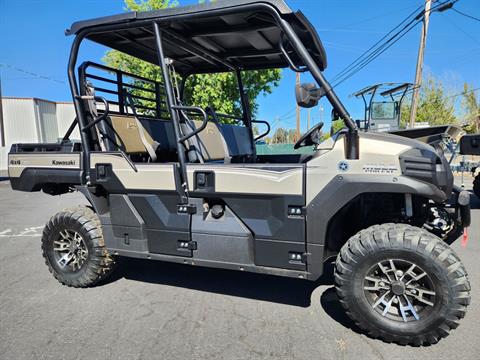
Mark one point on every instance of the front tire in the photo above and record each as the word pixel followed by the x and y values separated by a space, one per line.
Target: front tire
pixel 402 284
pixel 74 249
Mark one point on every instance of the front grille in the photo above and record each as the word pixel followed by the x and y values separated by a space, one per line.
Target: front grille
pixel 427 166
pixel 419 168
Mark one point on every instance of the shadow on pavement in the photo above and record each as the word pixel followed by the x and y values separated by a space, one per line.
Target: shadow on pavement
pixel 227 282
pixel 331 305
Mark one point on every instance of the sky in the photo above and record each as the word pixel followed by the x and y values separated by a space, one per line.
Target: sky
pixel 32 41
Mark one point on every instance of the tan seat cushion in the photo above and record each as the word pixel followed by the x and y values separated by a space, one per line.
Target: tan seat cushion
pixel 127 130
pixel 211 142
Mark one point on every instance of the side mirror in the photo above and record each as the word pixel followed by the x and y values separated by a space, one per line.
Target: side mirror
pixel 335 115
pixel 308 95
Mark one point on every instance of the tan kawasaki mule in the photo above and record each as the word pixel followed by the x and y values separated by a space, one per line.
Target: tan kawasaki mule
pixel 171 181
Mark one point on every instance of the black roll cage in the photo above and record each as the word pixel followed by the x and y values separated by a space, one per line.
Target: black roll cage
pixel 351 148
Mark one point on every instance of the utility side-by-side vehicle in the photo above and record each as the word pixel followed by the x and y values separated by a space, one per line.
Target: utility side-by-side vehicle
pixel 171 181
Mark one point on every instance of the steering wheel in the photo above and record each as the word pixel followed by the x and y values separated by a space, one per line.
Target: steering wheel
pixel 311 137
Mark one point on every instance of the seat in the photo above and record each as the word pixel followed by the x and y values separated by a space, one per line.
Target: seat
pixel 122 132
pixel 239 141
pixel 207 146
pixel 219 142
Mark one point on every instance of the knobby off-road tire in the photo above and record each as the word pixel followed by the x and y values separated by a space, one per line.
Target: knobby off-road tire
pixel 74 249
pixel 476 185
pixel 397 261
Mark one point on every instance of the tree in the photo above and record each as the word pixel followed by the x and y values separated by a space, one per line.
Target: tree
pixel 471 107
pixel 434 106
pixel 280 136
pixel 217 90
pixel 337 125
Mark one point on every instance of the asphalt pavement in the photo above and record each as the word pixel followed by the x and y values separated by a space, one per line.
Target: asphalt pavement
pixel 154 310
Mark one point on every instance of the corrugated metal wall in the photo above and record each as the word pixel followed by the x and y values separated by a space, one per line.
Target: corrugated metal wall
pixel 65 116
pixel 19 121
pixel 46 116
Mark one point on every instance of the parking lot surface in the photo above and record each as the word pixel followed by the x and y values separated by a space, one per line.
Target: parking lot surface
pixel 154 310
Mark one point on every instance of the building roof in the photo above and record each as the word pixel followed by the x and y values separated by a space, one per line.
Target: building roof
pixel 35 98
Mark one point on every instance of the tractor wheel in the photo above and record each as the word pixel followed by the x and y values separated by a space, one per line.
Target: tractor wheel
pixel 402 284
pixel 476 185
pixel 74 249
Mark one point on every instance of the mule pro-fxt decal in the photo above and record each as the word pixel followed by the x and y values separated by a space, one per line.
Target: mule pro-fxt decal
pixel 380 168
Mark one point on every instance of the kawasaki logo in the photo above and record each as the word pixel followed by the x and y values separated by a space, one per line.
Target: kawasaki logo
pixel 63 162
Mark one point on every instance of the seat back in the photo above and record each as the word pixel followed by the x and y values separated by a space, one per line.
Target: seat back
pixel 127 134
pixel 208 145
pixel 239 141
pixel 122 132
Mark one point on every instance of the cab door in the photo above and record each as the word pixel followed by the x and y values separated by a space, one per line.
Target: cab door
pixel 263 205
pixel 144 206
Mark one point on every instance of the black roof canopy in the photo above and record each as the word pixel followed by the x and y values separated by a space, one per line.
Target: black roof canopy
pixel 209 37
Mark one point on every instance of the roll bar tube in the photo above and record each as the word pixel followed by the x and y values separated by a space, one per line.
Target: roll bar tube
pixel 99 118
pixel 173 112
pixel 261 136
pixel 197 130
pixel 289 60
pixel 247 114
pixel 77 102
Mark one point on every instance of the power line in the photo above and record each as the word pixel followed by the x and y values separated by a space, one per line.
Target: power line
pixel 38 76
pixel 386 42
pixel 461 30
pixel 359 58
pixel 463 93
pixel 373 56
pixel 466 15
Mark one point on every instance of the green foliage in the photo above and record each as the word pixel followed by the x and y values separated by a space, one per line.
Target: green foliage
pixel 434 106
pixel 217 90
pixel 147 5
pixel 337 125
pixel 471 107
pixel 221 90
pixel 283 136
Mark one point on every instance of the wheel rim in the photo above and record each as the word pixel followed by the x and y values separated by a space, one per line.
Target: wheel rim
pixel 399 290
pixel 70 250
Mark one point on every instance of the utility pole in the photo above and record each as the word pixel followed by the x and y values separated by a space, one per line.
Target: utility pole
pixel 418 73
pixel 2 128
pixel 297 134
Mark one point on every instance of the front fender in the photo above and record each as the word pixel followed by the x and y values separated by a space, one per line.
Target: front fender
pixel 341 190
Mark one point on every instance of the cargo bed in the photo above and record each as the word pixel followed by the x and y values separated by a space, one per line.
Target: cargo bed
pixel 51 167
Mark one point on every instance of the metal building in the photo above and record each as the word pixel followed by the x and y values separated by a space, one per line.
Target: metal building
pixel 32 120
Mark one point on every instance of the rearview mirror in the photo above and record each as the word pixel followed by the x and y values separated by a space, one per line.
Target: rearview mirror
pixel 335 115
pixel 308 95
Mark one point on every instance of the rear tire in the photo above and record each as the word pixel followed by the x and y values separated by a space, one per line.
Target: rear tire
pixel 476 185
pixel 74 249
pixel 401 284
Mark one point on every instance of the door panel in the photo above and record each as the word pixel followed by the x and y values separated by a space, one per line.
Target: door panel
pixel 267 199
pixel 165 228
pixel 146 193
